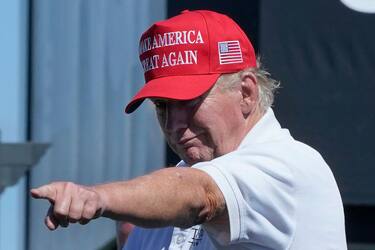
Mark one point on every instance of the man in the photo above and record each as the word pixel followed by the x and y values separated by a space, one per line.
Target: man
pixel 243 182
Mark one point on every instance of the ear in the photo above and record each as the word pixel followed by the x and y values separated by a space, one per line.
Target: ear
pixel 250 93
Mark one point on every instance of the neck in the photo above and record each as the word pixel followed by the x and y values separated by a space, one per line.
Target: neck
pixel 252 119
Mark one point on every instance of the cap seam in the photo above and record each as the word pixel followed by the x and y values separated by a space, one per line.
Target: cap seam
pixel 249 44
pixel 209 41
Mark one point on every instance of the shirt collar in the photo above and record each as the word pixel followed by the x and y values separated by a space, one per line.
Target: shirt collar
pixel 265 130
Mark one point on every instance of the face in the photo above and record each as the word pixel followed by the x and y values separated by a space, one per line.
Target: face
pixel 203 128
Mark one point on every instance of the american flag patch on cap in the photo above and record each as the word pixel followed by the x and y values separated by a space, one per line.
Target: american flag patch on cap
pixel 230 52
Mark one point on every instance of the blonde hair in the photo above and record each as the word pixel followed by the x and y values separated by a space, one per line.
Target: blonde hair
pixel 266 84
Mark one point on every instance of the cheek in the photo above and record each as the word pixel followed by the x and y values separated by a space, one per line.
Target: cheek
pixel 210 130
pixel 217 127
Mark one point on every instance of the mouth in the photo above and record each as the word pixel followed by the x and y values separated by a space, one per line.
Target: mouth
pixel 186 142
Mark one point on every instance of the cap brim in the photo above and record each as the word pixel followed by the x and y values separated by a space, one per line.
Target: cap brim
pixel 184 87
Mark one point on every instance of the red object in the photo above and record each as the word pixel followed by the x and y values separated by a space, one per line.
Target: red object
pixel 183 56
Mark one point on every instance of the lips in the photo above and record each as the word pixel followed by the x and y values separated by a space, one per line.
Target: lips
pixel 185 141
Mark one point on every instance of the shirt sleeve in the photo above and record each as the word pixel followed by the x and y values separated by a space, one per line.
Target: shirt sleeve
pixel 259 194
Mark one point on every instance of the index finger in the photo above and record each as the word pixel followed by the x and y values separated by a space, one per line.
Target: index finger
pixel 48 192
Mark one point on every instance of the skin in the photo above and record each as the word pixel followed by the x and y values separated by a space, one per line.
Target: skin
pixel 123 230
pixel 197 130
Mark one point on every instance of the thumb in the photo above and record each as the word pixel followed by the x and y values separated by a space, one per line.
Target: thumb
pixel 47 192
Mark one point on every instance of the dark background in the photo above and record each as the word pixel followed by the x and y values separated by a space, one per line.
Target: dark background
pixel 324 55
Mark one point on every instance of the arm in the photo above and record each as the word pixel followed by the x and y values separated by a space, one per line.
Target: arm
pixel 172 196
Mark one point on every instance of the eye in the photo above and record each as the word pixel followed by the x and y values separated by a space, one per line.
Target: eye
pixel 160 105
pixel 192 103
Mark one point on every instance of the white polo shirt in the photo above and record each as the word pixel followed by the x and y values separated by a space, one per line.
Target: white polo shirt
pixel 280 194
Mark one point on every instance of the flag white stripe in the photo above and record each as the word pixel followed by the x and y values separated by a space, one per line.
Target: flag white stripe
pixel 231 58
pixel 231 62
pixel 226 57
pixel 236 59
pixel 230 52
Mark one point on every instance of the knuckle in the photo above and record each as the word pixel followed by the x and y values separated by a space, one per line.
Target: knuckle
pixel 89 213
pixel 75 213
pixel 91 194
pixel 69 185
pixel 60 212
pixel 83 192
pixel 74 216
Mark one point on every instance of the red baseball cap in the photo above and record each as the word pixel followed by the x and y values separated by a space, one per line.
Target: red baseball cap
pixel 182 57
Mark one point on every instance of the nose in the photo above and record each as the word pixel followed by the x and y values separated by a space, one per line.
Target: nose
pixel 176 117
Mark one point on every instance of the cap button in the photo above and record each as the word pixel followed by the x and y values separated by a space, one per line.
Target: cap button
pixel 185 11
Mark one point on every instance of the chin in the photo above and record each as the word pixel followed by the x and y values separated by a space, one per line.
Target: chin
pixel 193 159
pixel 190 160
pixel 193 155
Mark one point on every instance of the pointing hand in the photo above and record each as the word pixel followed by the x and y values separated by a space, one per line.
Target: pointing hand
pixel 70 203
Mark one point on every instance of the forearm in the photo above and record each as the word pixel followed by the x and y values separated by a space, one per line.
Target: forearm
pixel 173 196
